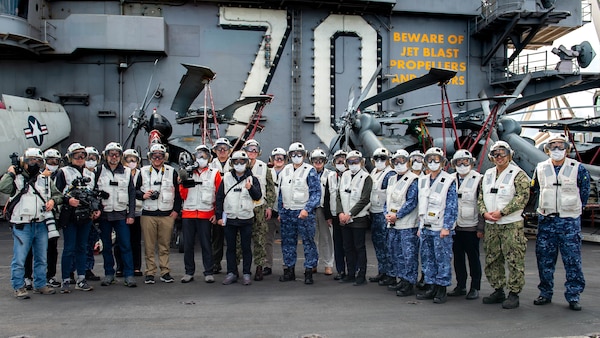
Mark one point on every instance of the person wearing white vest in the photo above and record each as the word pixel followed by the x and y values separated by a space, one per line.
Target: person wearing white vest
pixel 502 198
pixel 234 211
pixel 563 185
pixel 91 163
pixel 352 204
pixel 469 226
pixel 438 208
pixel 415 162
pixel 162 204
pixel 34 195
pixel 278 160
pixel 339 162
pixel 222 148
pixel 75 230
pixel 323 238
pixel 198 214
pixel 263 208
pixel 401 217
pixel 118 212
pixel 380 175
pixel 299 196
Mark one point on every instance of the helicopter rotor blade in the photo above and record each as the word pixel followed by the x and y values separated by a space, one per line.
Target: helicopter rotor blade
pixel 145 103
pixel 367 88
pixel 191 84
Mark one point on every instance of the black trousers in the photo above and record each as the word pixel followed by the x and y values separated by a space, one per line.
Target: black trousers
pixel 201 228
pixel 355 250
pixel 218 241
pixel 338 246
pixel 466 243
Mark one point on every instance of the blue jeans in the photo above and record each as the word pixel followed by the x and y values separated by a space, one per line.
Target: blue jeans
pixel 75 237
pixel 33 236
pixel 124 243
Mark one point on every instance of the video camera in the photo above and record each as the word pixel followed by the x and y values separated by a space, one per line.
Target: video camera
pixel 15 161
pixel 89 201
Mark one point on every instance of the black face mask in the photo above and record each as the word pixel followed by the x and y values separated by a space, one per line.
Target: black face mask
pixel 33 170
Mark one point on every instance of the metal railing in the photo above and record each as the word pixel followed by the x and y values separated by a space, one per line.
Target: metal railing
pixel 538 62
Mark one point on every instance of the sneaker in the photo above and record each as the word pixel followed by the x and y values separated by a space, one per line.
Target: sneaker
pixel 246 279
pixel 45 290
pixel 187 278
pixel 209 278
pixel 66 286
pixel 53 282
pixel 28 284
pixel 166 278
pixel 89 275
pixel 108 280
pixel 130 282
pixel 21 293
pixel 149 279
pixel 83 286
pixel 230 278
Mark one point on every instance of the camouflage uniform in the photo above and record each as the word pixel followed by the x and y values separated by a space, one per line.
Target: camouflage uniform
pixel 379 233
pixel 506 243
pixel 561 234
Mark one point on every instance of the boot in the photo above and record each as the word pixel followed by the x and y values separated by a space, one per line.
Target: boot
pixel 440 296
pixel 258 276
pixel 421 283
pixel 387 280
pixel 308 278
pixel 397 286
pixel 512 302
pixel 377 278
pixel 288 274
pixel 498 296
pixel 429 293
pixel 406 290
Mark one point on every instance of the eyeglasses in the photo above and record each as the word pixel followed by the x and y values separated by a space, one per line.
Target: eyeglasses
pixel 400 160
pixel 113 154
pixel 52 161
pixel 239 162
pixel 158 157
pixel 222 149
pixel 380 158
pixel 279 158
pixel 79 156
pixel 462 161
pixel 355 161
pixel 557 146
pixel 252 150
pixel 499 153
pixel 417 159
pixel 318 161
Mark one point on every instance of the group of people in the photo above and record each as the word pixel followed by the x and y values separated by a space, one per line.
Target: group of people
pixel 420 216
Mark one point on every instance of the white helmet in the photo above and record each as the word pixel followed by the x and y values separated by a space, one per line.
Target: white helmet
pixel 158 148
pixel 222 140
pixel 381 152
pixel 435 151
pixel 278 151
pixel 400 153
pixel 131 152
pixel 317 153
pixel 297 146
pixel 52 153
pixel 74 147
pixel 92 150
pixel 416 153
pixel 339 153
pixel 498 145
pixel 205 149
pixel 556 137
pixel 354 153
pixel 34 152
pixel 112 146
pixel 251 143
pixel 239 155
pixel 463 153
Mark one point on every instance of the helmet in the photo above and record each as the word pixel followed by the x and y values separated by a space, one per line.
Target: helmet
pixel 131 152
pixel 317 153
pixel 112 146
pixel 205 149
pixel 435 151
pixel 498 145
pixel 462 154
pixel 278 151
pixel 74 147
pixel 400 153
pixel 555 137
pixel 33 152
pixel 416 153
pixel 222 140
pixel 251 143
pixel 381 152
pixel 354 153
pixel 92 150
pixel 239 155
pixel 340 153
pixel 297 146
pixel 52 153
pixel 158 148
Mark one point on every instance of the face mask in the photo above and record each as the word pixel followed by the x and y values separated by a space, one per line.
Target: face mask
pixel 90 164
pixel 33 170
pixel 240 168
pixel 297 160
pixel 132 165
pixel 401 168
pixel 417 166
pixel 340 167
pixel 433 166
pixel 202 162
pixel 463 169
pixel 380 165
pixel 354 168
pixel 557 154
pixel 52 168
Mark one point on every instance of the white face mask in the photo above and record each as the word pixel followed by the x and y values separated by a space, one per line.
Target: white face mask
pixel 354 168
pixel 52 168
pixel 340 167
pixel 417 166
pixel 380 165
pixel 463 169
pixel 557 154
pixel 433 166
pixel 401 168
pixel 90 164
pixel 240 168
pixel 132 165
pixel 202 162
pixel 297 160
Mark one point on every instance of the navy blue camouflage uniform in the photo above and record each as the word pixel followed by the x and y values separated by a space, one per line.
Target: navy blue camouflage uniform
pixel 561 234
pixel 379 234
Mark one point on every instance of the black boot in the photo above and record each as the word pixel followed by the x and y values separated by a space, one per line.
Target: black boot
pixel 377 278
pixel 421 283
pixel 428 293
pixel 387 280
pixel 498 296
pixel 512 301
pixel 397 286
pixel 440 295
pixel 288 275
pixel 308 278
pixel 406 290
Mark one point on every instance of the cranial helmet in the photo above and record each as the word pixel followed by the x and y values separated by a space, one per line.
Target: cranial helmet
pixel 158 148
pixel 278 151
pixel 381 152
pixel 354 153
pixel 340 153
pixel 463 153
pixel 33 152
pixel 205 149
pixel 223 141
pixel 131 152
pixel 239 155
pixel 92 150
pixel 416 153
pixel 498 145
pixel 297 146
pixel 73 148
pixel 556 137
pixel 112 146
pixel 400 153
pixel 435 151
pixel 252 143
pixel 52 153
pixel 317 153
